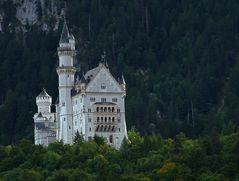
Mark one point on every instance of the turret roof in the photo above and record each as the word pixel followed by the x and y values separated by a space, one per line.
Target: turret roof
pixel 43 94
pixel 40 115
pixel 65 35
pixel 72 36
pixel 57 100
pixel 82 80
pixel 123 80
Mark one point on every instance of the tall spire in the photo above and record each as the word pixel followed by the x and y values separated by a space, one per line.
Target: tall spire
pixel 65 35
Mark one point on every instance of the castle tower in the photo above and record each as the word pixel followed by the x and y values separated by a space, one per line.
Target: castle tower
pixel 44 120
pixel 66 72
pixel 43 101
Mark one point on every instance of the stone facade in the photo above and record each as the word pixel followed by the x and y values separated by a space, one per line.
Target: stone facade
pixel 93 105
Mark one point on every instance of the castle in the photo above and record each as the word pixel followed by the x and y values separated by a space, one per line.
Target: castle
pixel 93 105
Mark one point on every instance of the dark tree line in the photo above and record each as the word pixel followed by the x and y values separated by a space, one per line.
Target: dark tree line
pixel 149 158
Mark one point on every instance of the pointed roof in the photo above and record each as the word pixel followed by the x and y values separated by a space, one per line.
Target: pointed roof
pixel 57 100
pixel 43 94
pixel 40 115
pixel 72 37
pixel 82 80
pixel 92 73
pixel 65 35
pixel 123 80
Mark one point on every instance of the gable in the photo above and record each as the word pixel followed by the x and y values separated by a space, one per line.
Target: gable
pixel 104 82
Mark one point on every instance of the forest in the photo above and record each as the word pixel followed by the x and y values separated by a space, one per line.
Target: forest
pixel 149 158
pixel 179 58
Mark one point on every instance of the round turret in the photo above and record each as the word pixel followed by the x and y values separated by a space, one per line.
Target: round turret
pixel 44 101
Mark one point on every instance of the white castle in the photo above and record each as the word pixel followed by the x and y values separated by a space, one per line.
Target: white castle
pixel 93 105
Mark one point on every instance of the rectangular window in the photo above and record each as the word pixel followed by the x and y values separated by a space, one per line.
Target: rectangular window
pixel 118 110
pixel 89 138
pixel 111 138
pixel 92 99
pixel 89 110
pixel 89 120
pixel 103 99
pixel 114 99
pixel 90 129
pixel 118 120
pixel 63 104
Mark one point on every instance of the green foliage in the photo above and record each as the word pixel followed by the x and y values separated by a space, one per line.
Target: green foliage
pixel 142 158
pixel 78 137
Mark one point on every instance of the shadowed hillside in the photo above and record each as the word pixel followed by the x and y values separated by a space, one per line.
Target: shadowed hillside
pixel 180 60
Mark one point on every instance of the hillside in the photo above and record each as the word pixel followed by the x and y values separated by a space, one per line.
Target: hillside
pixel 180 60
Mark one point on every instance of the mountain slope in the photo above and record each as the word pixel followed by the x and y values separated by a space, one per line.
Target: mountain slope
pixel 179 59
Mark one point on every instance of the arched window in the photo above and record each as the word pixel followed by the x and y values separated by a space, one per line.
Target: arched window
pixel 97 109
pixel 113 109
pixel 105 128
pixel 112 128
pixel 109 119
pixel 97 128
pixel 101 119
pixel 109 110
pixel 101 128
pixel 109 128
pixel 113 119
pixel 111 138
pixel 105 109
pixel 98 119
pixel 105 119
pixel 101 109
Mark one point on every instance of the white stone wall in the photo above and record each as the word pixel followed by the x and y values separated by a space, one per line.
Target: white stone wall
pixel 85 113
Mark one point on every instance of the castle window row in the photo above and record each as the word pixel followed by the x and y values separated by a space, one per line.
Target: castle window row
pixel 92 99
pixel 105 109
pixel 105 128
pixel 105 119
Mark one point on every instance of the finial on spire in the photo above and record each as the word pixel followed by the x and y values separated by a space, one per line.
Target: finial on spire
pixel 103 57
